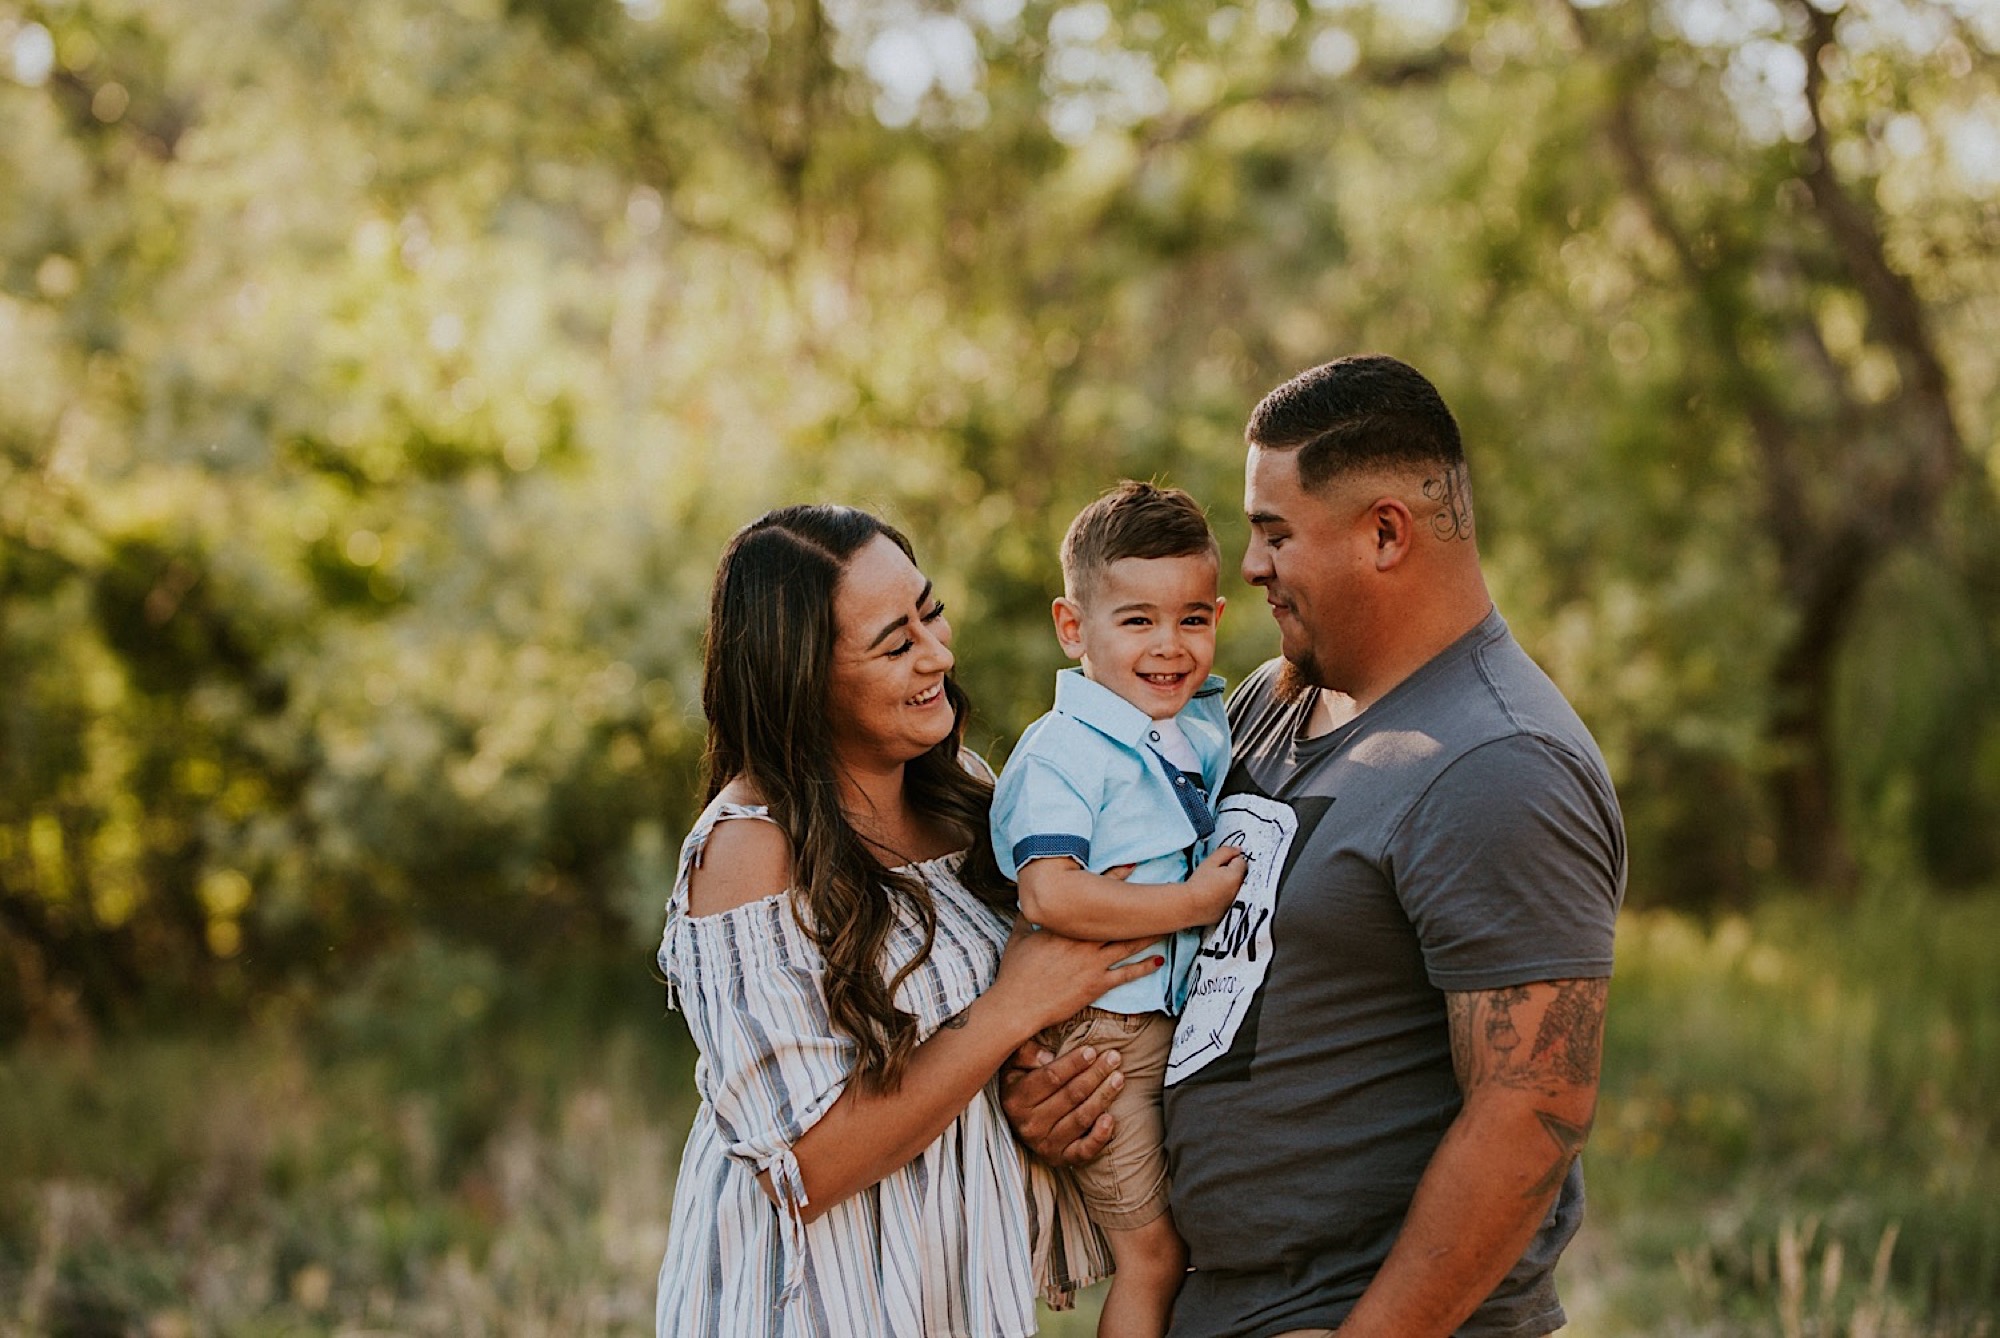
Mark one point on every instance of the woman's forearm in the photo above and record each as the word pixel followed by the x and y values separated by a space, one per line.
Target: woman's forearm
pixel 867 1134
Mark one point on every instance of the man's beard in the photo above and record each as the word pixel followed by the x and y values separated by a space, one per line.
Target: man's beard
pixel 1298 677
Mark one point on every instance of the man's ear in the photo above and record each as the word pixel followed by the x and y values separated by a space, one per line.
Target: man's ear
pixel 1068 615
pixel 1395 530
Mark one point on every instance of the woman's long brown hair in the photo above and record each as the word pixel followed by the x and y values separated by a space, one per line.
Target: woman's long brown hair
pixel 766 669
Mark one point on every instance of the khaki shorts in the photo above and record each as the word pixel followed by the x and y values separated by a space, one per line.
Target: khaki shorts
pixel 1127 1186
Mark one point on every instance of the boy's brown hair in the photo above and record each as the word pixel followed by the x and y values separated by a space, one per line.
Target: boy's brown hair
pixel 1132 520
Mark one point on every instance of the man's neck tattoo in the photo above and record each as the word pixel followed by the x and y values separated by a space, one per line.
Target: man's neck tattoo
pixel 1454 516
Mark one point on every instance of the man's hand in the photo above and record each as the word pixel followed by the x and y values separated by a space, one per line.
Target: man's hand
pixel 1060 1108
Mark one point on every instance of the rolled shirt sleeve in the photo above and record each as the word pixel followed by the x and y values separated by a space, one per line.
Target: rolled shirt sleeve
pixel 1040 811
pixel 773 1062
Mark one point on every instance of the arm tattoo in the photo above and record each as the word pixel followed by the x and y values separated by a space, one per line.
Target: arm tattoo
pixel 1500 1033
pixel 1486 1048
pixel 1454 516
pixel 1572 1031
pixel 957 1020
pixel 1569 1142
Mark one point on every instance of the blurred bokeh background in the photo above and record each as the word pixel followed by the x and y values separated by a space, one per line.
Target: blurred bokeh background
pixel 380 378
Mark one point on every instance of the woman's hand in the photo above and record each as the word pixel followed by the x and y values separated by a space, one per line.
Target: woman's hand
pixel 1044 977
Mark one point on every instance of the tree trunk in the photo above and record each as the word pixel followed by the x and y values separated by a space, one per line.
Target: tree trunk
pixel 1804 781
pixel 1844 483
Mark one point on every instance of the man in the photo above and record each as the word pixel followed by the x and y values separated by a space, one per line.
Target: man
pixel 1389 1059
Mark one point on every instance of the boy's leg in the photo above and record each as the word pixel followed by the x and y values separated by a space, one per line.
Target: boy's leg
pixel 1151 1263
pixel 1126 1188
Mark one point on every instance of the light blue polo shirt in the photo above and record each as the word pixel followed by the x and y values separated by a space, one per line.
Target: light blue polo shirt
pixel 1087 781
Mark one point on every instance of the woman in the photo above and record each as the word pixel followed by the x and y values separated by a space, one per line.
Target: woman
pixel 838 939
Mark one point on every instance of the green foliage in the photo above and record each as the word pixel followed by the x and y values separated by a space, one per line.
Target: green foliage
pixel 1806 1083
pixel 455 1149
pixel 1916 693
pixel 384 377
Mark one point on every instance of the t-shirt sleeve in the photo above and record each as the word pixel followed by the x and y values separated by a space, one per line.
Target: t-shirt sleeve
pixel 1040 811
pixel 1511 867
pixel 773 1060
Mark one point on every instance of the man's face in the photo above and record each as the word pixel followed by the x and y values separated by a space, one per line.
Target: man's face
pixel 1311 557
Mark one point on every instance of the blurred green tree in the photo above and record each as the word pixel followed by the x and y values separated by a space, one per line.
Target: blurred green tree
pixel 382 377
pixel 1819 246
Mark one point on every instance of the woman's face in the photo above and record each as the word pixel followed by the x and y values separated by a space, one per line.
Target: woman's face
pixel 891 651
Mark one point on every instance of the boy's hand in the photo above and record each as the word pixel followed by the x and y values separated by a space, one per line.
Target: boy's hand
pixel 1215 884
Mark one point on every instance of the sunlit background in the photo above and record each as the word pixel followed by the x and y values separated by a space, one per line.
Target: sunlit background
pixel 380 378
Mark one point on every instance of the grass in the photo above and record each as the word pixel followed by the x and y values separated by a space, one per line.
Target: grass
pixel 1798 1129
pixel 1797 1137
pixel 424 1156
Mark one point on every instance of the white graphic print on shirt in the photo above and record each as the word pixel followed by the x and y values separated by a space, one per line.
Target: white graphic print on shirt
pixel 1230 968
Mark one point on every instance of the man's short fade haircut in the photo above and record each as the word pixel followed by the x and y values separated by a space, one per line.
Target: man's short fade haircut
pixel 1369 411
pixel 1132 520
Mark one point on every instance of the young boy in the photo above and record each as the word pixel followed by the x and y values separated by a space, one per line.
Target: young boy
pixel 1121 773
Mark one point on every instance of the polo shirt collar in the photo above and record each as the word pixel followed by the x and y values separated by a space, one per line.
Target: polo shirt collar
pixel 1104 710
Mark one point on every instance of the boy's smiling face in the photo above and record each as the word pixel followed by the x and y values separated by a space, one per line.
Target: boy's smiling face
pixel 1146 629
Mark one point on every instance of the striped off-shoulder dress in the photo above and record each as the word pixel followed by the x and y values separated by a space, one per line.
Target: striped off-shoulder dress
pixel 946 1246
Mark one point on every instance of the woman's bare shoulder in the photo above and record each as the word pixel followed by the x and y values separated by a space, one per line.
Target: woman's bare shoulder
pixel 741 793
pixel 977 765
pixel 744 860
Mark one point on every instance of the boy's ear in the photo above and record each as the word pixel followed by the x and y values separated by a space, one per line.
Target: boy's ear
pixel 1221 603
pixel 1068 615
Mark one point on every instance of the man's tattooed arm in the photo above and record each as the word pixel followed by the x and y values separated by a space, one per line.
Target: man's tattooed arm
pixel 1557 1069
pixel 1526 1057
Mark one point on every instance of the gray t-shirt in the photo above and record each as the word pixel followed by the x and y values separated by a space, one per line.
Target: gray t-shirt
pixel 1459 835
